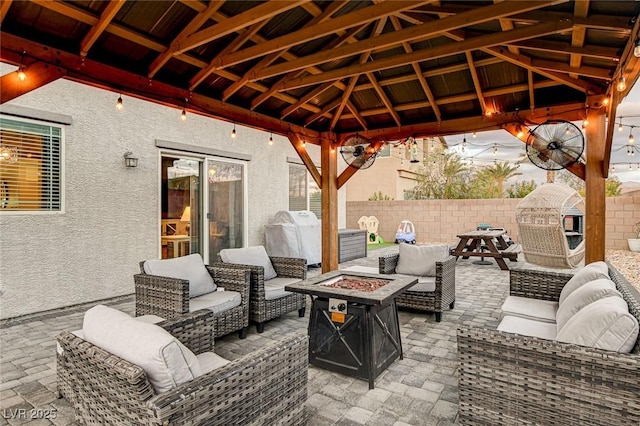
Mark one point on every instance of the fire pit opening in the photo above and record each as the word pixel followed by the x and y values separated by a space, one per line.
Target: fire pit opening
pixel 351 282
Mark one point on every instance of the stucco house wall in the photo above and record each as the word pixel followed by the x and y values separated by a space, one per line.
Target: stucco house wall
pixel 112 213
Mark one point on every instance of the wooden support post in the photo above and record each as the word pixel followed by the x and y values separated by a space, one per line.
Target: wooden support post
pixel 329 166
pixel 595 187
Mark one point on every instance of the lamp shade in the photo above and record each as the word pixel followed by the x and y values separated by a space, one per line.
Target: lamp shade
pixel 186 215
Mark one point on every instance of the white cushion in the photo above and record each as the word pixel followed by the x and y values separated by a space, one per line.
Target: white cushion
pixel 255 256
pixel 527 327
pixel 529 308
pixel 210 361
pixel 604 324
pixel 216 302
pixel 190 268
pixel 166 361
pixel 425 284
pixel 584 295
pixel 590 272
pixel 420 260
pixel 274 288
pixel 365 269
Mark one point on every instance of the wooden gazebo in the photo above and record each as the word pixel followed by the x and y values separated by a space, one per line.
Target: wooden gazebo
pixel 320 71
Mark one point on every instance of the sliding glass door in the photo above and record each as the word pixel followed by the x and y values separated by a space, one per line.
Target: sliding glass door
pixel 226 201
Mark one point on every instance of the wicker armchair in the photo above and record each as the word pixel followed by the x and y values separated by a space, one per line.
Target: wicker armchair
pixel 268 386
pixel 507 378
pixel 262 310
pixel 437 301
pixel 169 297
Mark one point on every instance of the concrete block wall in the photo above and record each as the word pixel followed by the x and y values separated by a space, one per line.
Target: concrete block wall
pixel 442 220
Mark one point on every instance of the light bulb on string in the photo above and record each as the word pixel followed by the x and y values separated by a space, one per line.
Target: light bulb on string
pixel 495 150
pixel 585 123
pixel 183 114
pixel 475 135
pixel 21 74
pixel 620 128
pixel 613 167
pixel 520 133
pixel 605 101
pixel 464 143
pixel 622 84
pixel 631 139
pixel 271 139
pixel 233 132
pixel 119 105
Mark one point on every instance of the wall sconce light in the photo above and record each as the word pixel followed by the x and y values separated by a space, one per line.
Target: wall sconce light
pixel 130 160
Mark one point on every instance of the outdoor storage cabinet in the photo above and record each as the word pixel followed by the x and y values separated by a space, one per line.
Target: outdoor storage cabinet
pixel 352 244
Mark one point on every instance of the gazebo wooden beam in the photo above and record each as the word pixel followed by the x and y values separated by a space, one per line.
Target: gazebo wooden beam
pixel 255 14
pixel 329 165
pixel 417 32
pixel 38 74
pixel 569 112
pixel 298 145
pixel 86 71
pixel 107 15
pixel 344 22
pixel 595 202
pixel 4 8
pixel 485 41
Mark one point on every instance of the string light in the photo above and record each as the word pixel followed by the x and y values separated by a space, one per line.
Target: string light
pixel 520 133
pixel 119 105
pixel 233 132
pixel 475 135
pixel 304 143
pixel 631 139
pixel 605 101
pixel 620 128
pixel 21 74
pixel 271 139
pixel 183 115
pixel 622 84
pixel 464 143
pixel 495 149
pixel 585 123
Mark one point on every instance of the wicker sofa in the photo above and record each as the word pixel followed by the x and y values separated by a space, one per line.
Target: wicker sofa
pixel 267 386
pixel 441 291
pixel 508 378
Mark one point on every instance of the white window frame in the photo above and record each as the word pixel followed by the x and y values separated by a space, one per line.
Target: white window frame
pixel 61 162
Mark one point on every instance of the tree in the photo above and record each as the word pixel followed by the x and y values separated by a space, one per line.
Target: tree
pixel 612 188
pixel 521 189
pixel 499 173
pixel 379 196
pixel 442 175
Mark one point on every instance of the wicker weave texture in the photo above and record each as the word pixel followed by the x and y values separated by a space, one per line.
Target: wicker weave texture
pixel 437 301
pixel 540 226
pixel 261 309
pixel 268 386
pixel 507 378
pixel 169 297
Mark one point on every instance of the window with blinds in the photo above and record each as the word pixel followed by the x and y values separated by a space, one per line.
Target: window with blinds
pixel 297 187
pixel 304 194
pixel 30 163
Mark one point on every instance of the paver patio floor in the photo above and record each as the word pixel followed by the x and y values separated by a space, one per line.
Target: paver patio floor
pixel 421 389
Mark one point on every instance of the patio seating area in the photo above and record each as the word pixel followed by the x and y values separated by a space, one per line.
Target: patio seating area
pixel 421 389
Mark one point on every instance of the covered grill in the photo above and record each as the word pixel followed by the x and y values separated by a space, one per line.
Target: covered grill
pixel 295 234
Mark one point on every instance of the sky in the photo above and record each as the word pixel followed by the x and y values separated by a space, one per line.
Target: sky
pixel 510 148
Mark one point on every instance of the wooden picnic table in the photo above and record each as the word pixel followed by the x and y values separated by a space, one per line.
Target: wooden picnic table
pixel 472 244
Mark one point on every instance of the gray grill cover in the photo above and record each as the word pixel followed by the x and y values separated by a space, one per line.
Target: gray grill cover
pixel 295 234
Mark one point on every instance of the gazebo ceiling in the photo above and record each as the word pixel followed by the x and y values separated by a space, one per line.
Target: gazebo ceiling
pixel 380 68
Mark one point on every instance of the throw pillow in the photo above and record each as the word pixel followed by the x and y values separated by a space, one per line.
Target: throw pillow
pixel 166 361
pixel 420 260
pixel 190 268
pixel 590 272
pixel 604 324
pixel 583 296
pixel 254 256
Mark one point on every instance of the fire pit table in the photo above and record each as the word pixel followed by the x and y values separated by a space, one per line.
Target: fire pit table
pixel 354 328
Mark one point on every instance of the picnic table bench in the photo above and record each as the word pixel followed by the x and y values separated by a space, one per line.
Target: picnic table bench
pixel 472 244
